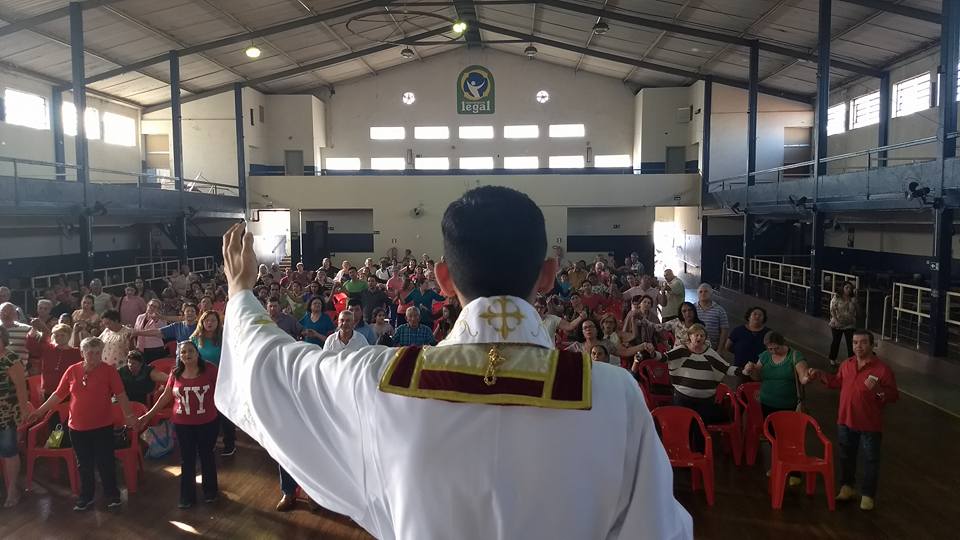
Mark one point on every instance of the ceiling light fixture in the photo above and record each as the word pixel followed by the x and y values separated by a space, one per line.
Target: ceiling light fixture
pixel 601 28
pixel 407 52
pixel 253 51
pixel 459 27
pixel 530 51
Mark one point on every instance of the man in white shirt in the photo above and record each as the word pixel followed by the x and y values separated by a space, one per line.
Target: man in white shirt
pixel 102 301
pixel 671 295
pixel 344 339
pixel 489 435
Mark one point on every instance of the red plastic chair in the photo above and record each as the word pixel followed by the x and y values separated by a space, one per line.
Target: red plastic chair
pixel 36 440
pixel 787 432
pixel 657 376
pixel 731 432
pixel 340 302
pixel 646 397
pixel 131 458
pixel 748 395
pixel 171 348
pixel 35 390
pixel 674 423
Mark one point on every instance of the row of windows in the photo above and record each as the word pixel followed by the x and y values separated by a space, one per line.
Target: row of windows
pixel 530 131
pixel 30 110
pixel 476 163
pixel 909 96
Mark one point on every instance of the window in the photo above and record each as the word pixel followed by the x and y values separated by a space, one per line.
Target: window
pixel 432 163
pixel 91 122
pixel 263 114
pixel 865 110
pixel 837 119
pixel 521 162
pixel 388 133
pixel 431 132
pixel 343 163
pixel 566 162
pixel 911 95
pixel 567 130
pixel 119 129
pixel 388 163
pixel 475 132
pixel 521 132
pixel 618 160
pixel 476 163
pixel 23 109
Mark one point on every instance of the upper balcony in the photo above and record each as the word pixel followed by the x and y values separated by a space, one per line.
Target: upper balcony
pixel 881 183
pixel 29 187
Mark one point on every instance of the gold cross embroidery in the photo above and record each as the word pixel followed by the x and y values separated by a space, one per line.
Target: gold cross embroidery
pixel 504 316
pixel 494 361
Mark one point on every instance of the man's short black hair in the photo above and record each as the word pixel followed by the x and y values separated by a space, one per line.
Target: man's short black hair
pixel 495 242
pixel 354 302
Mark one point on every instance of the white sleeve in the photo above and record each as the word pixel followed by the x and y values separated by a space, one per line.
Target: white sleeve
pixel 647 507
pixel 299 403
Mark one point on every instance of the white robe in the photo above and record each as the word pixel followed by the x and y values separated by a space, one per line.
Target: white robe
pixel 421 469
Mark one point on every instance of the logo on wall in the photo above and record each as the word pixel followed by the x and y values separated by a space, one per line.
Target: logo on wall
pixel 475 92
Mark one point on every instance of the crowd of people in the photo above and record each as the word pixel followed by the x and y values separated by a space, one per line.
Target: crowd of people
pixel 95 348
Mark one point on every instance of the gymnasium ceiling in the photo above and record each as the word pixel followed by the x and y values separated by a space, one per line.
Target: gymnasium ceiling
pixel 649 42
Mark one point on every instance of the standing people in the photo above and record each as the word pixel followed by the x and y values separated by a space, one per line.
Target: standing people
pixel 671 295
pixel 14 402
pixel 55 354
pixel 208 339
pixel 191 385
pixel 680 327
pixel 746 341
pixel 91 385
pixel 713 316
pixel 115 339
pixel 131 305
pixel 102 300
pixel 151 347
pixel 16 331
pixel 867 385
pixel 843 320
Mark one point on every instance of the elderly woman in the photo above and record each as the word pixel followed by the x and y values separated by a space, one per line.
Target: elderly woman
pixel 91 385
pixel 746 341
pixel 13 402
pixel 695 372
pixel 588 330
pixel 55 353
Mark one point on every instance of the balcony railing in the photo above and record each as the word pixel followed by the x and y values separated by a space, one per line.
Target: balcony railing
pixel 777 175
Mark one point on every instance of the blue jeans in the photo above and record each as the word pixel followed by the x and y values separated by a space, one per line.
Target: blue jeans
pixel 850 442
pixel 8 442
pixel 287 484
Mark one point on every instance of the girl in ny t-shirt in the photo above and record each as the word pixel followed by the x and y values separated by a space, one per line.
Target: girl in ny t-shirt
pixel 195 418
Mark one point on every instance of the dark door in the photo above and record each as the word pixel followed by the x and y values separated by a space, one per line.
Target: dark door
pixel 314 243
pixel 676 156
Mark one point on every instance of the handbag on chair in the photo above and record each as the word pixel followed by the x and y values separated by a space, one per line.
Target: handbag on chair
pixel 55 440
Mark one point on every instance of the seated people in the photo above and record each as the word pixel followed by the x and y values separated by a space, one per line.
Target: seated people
pixel 589 333
pixel 316 324
pixel 413 332
pixel 344 339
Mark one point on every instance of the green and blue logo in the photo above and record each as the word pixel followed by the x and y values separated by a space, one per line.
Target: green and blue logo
pixel 475 91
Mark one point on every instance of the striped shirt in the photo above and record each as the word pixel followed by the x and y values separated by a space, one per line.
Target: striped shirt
pixel 697 375
pixel 714 320
pixel 18 339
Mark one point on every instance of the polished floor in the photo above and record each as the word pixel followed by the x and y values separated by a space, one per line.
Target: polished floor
pixel 918 496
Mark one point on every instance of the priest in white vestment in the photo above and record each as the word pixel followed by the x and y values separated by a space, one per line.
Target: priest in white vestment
pixel 492 434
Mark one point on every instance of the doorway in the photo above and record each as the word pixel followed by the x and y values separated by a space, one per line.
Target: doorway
pixel 314 242
pixel 271 235
pixel 676 159
pixel 293 162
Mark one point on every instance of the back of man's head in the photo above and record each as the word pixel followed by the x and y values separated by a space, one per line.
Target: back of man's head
pixel 495 242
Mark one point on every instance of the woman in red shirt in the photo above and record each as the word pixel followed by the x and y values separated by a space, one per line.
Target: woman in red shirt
pixel 195 418
pixel 90 385
pixel 55 354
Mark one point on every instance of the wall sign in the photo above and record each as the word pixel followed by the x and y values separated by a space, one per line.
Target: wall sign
pixel 475 91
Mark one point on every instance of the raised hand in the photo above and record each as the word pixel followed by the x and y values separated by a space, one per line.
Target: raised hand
pixel 239 260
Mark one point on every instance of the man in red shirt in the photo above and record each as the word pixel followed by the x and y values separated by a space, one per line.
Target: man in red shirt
pixel 866 386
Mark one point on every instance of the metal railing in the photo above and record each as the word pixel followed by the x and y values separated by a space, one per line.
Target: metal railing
pixel 732 272
pixel 118 276
pixel 776 175
pixel 908 307
pixel 788 284
pixel 28 169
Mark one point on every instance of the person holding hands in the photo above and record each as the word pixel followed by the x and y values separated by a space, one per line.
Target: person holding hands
pixel 867 385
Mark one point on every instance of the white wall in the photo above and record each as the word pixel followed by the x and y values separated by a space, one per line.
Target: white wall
pixel 728 130
pixel 293 123
pixel 603 104
pixel 37 144
pixel 626 221
pixel 393 197
pixel 901 239
pixel 918 125
pixel 659 127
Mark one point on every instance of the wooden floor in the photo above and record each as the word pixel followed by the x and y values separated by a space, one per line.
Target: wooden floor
pixel 917 496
